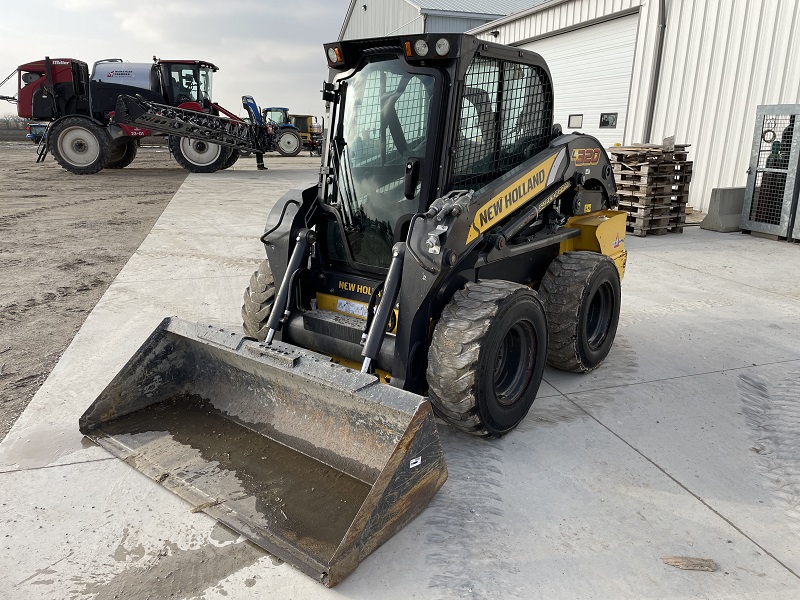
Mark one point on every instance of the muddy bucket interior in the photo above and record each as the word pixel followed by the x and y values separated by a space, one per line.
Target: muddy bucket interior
pixel 315 462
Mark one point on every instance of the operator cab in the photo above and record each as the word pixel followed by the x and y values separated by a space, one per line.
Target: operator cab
pixel 396 106
pixel 187 81
pixel 278 115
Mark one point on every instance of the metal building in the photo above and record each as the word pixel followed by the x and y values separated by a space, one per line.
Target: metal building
pixel 642 70
pixel 376 18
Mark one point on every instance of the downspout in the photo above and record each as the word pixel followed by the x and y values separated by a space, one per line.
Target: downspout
pixel 651 101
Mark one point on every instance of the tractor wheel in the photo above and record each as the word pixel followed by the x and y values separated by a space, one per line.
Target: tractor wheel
pixel 122 155
pixel 198 156
pixel 581 293
pixel 487 357
pixel 289 143
pixel 232 158
pixel 79 145
pixel 258 300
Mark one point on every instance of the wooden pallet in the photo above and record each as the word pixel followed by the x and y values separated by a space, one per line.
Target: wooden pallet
pixel 637 210
pixel 653 186
pixel 645 154
pixel 660 200
pixel 647 187
pixel 642 232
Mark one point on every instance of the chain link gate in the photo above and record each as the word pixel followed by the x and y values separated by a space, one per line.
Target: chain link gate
pixel 770 201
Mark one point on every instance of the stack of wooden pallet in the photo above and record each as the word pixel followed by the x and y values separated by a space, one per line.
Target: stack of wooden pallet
pixel 653 186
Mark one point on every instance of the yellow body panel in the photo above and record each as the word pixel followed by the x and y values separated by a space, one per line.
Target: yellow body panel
pixel 602 231
pixel 383 376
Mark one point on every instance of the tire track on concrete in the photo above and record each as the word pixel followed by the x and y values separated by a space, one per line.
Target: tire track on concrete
pixel 772 411
pixel 467 528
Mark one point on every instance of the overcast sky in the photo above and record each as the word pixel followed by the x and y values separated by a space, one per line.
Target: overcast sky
pixel 269 49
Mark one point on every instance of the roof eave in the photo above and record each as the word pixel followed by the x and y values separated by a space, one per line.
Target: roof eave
pixel 346 21
pixel 514 16
pixel 458 15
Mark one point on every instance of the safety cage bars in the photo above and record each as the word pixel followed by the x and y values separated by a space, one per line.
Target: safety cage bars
pixel 505 119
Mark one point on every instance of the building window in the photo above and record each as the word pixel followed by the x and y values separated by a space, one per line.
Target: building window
pixel 608 120
pixel 575 122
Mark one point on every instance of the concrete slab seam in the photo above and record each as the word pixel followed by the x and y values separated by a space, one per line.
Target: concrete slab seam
pixel 678 483
pixel 702 374
pixel 715 276
pixel 78 462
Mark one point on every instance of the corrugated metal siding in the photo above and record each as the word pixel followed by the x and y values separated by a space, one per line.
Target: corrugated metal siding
pixel 436 24
pixel 579 86
pixel 721 60
pixel 496 7
pixel 559 16
pixel 383 17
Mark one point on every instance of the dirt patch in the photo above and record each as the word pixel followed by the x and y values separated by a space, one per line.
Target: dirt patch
pixel 63 239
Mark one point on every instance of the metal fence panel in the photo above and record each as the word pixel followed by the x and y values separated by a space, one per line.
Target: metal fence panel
pixel 771 194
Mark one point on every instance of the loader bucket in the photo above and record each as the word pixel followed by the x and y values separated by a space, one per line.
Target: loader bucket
pixel 317 463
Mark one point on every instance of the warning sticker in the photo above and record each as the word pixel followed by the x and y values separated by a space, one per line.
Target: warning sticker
pixel 352 308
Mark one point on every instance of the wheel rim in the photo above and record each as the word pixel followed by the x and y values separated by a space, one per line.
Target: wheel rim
pixel 289 143
pixel 78 146
pixel 600 315
pixel 200 153
pixel 117 153
pixel 514 363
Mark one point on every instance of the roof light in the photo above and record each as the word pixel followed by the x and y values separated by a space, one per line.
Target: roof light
pixel 421 47
pixel 334 54
pixel 442 46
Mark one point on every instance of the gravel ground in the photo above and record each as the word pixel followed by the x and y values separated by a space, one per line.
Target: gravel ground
pixel 63 239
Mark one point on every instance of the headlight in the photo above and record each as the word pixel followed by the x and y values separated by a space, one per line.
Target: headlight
pixel 333 55
pixel 442 46
pixel 421 48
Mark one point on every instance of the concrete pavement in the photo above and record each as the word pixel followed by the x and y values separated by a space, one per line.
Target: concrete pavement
pixel 685 443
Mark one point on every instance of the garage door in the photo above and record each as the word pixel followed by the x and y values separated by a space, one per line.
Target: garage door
pixel 591 69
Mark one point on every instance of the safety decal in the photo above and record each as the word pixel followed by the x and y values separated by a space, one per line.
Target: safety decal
pixel 415 462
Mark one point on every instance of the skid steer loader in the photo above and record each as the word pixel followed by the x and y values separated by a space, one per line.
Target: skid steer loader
pixel 455 243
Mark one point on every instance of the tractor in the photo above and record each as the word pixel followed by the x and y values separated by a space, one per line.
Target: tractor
pixel 82 135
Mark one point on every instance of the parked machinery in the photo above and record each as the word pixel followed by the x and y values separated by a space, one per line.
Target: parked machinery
pixel 310 129
pixel 456 241
pixel 82 135
pixel 260 133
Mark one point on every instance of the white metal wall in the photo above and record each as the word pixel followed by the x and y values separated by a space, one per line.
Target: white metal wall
pixel 591 71
pixel 440 24
pixel 722 58
pixel 383 17
pixel 554 16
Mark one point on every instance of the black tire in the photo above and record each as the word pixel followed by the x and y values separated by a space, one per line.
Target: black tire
pixel 258 300
pixel 581 293
pixel 232 158
pixel 472 384
pixel 122 155
pixel 79 145
pixel 289 143
pixel 198 156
